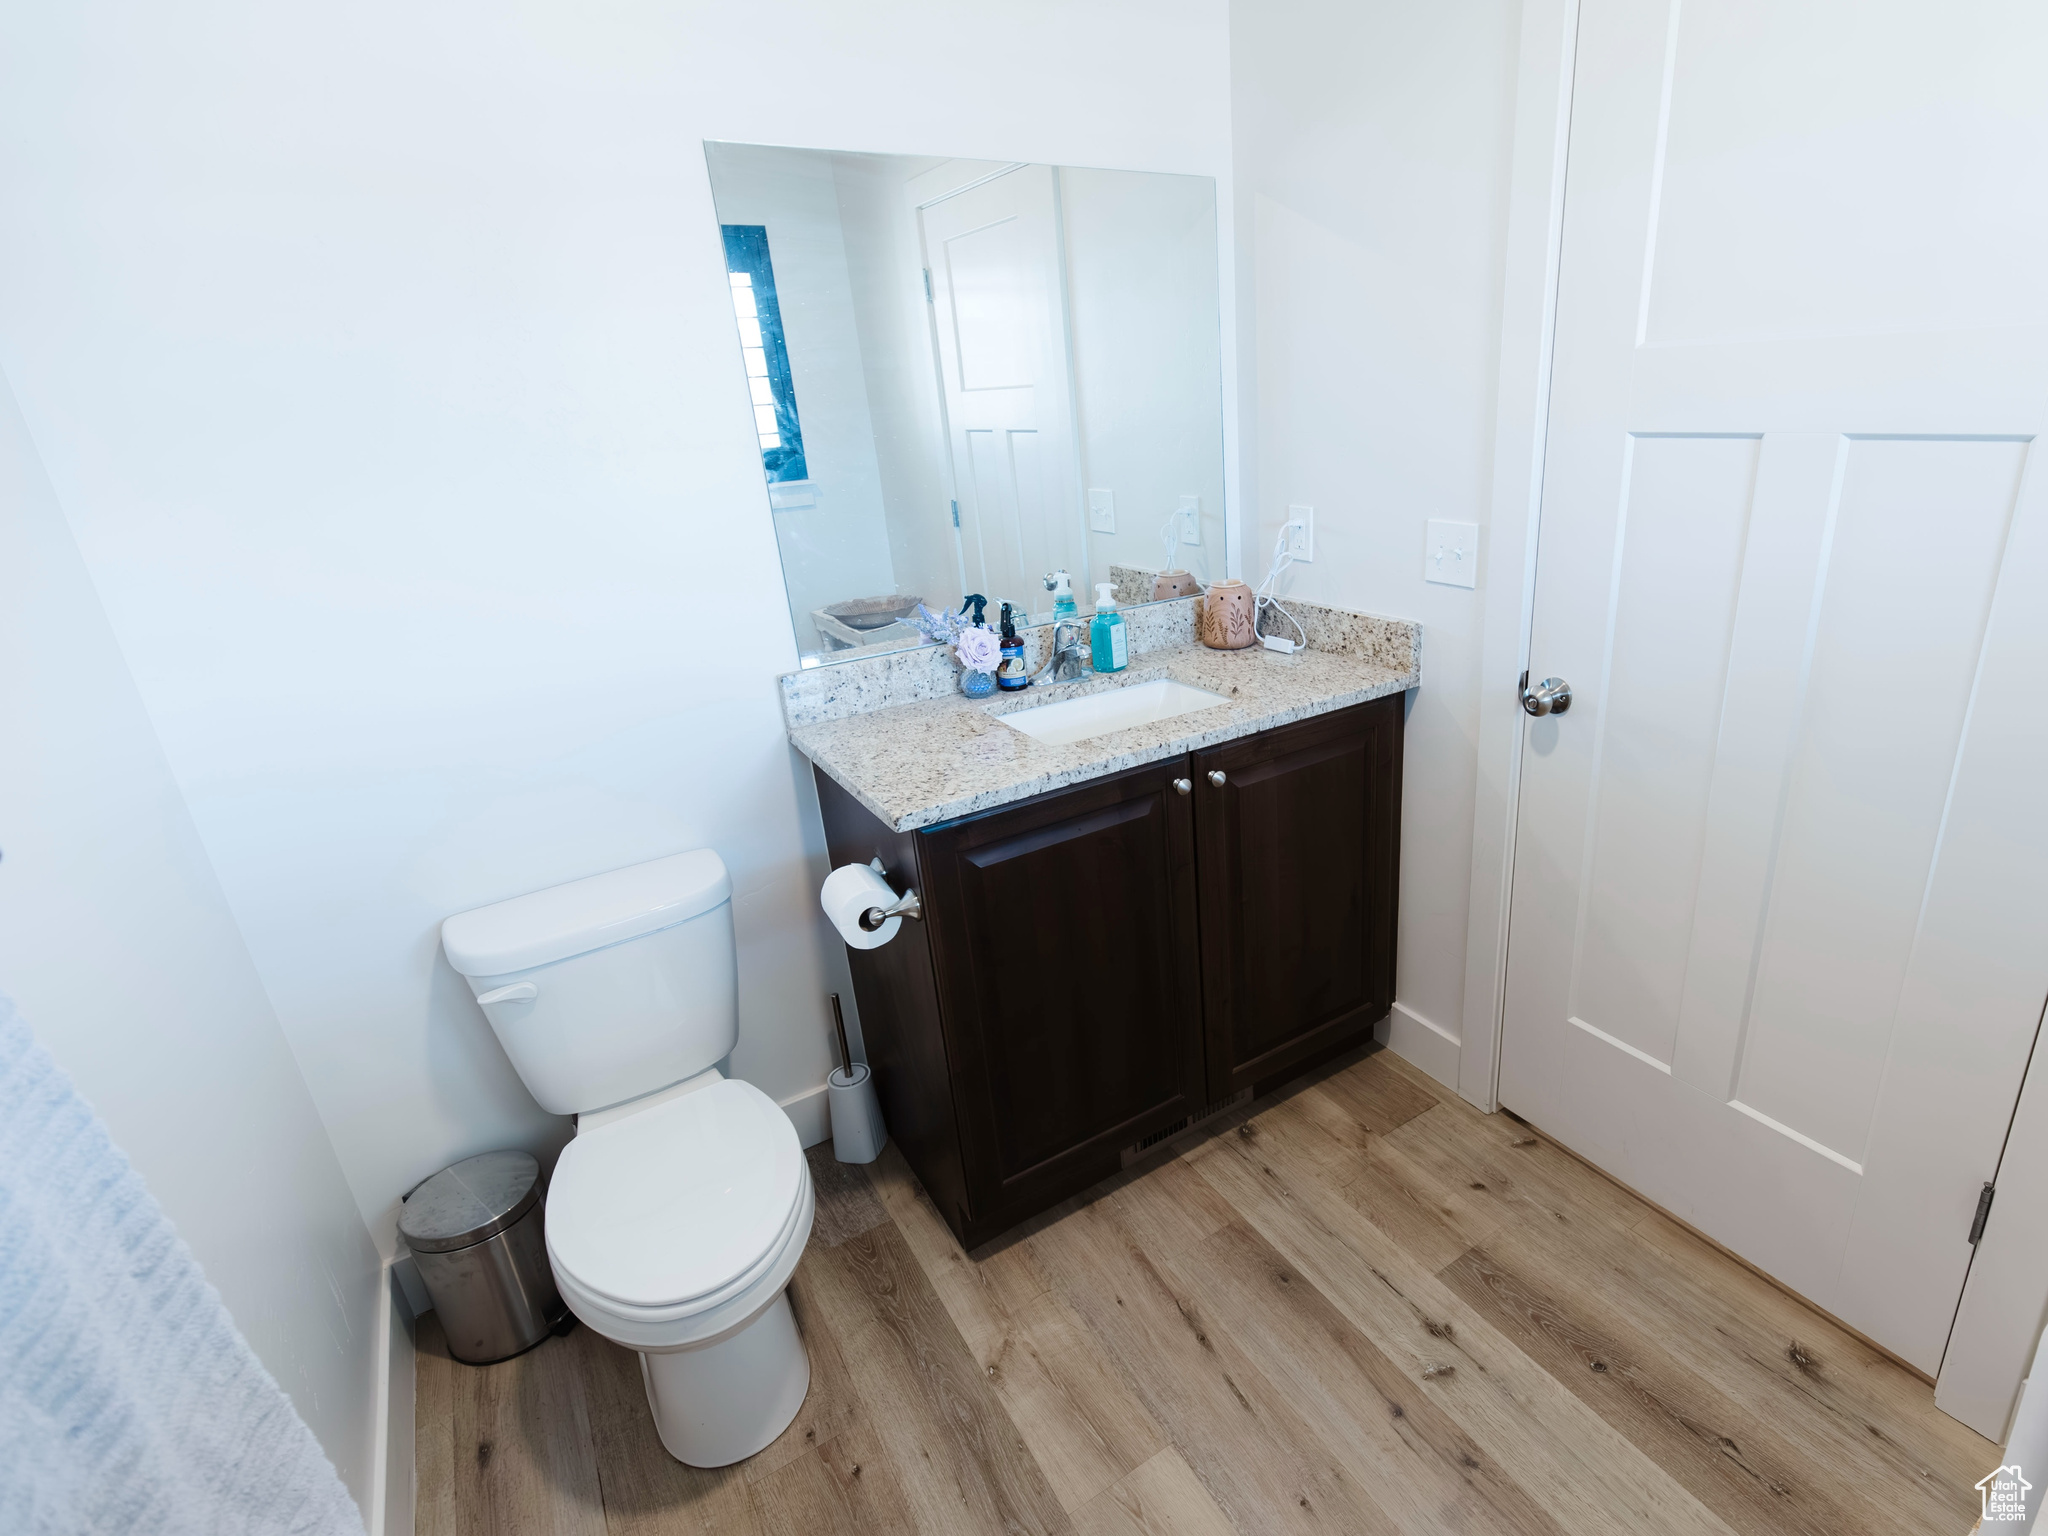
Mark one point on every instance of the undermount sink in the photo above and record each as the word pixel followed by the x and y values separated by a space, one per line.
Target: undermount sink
pixel 1097 714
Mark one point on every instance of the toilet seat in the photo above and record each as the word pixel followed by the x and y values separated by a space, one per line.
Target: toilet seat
pixel 664 1330
pixel 675 1224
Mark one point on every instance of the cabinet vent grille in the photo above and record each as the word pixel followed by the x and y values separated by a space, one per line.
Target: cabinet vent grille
pixel 1138 1149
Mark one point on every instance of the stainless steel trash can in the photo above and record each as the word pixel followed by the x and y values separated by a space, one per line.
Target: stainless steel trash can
pixel 475 1232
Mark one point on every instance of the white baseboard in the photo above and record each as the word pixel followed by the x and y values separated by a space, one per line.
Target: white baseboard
pixel 391 1476
pixel 810 1114
pixel 1415 1039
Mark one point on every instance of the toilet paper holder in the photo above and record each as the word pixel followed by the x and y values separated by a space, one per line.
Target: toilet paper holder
pixel 906 905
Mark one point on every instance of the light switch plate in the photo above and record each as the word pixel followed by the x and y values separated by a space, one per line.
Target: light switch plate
pixel 1301 534
pixel 1452 556
pixel 1101 510
pixel 1190 515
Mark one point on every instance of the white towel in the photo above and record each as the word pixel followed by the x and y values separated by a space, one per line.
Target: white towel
pixel 128 1402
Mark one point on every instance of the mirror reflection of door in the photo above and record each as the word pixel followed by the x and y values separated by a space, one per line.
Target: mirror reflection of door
pixel 993 251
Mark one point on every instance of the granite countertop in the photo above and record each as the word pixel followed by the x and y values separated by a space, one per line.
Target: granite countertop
pixel 916 764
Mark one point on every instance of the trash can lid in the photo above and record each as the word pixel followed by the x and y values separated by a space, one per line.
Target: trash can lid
pixel 475 1199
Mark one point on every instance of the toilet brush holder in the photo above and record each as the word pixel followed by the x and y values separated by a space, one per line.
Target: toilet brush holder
pixel 857 1131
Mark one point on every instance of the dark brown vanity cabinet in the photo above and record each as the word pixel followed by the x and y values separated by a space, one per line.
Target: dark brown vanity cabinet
pixel 1299 847
pixel 1098 964
pixel 1066 942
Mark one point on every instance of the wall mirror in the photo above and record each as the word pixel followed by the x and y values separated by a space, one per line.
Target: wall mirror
pixel 966 375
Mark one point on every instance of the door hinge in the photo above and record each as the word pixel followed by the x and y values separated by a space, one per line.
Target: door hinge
pixel 1983 1214
pixel 956 514
pixel 928 285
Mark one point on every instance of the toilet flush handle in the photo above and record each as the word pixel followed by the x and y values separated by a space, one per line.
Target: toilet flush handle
pixel 518 992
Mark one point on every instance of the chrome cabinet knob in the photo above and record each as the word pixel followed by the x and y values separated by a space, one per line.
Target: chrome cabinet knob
pixel 1183 785
pixel 1216 777
pixel 1552 696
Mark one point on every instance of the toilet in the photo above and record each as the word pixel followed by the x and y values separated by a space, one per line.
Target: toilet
pixel 678 1213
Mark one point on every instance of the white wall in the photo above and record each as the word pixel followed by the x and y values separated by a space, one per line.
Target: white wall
pixel 1373 150
pixel 121 951
pixel 837 548
pixel 1142 297
pixel 383 359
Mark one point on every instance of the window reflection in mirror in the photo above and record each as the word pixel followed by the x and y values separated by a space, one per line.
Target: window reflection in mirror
pixel 965 375
pixel 764 353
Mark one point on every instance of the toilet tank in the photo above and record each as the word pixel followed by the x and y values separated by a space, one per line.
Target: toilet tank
pixel 604 989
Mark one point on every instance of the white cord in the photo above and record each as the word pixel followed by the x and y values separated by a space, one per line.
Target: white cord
pixel 1170 557
pixel 1265 597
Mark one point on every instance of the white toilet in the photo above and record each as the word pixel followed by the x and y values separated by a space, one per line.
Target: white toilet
pixel 678 1213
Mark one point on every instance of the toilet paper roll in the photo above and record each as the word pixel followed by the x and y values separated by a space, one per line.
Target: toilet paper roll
pixel 849 891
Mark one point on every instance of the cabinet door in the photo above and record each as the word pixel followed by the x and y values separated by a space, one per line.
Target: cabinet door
pixel 898 992
pixel 1300 870
pixel 1065 943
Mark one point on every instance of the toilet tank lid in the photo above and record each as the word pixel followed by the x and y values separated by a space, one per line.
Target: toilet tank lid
pixel 583 915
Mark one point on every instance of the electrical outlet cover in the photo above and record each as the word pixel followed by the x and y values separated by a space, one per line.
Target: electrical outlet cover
pixel 1452 556
pixel 1301 539
pixel 1101 511
pixel 1190 519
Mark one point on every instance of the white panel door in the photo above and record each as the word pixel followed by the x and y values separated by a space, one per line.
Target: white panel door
pixel 999 313
pixel 1779 940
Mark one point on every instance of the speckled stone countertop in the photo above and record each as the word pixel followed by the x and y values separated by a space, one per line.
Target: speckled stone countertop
pixel 916 764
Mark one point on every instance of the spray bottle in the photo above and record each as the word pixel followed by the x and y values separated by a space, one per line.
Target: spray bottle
pixel 1011 675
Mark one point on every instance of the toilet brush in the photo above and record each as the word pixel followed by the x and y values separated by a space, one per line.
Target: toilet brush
pixel 857 1132
pixel 839 1024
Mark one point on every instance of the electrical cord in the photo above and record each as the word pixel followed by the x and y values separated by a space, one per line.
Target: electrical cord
pixel 1169 549
pixel 1266 595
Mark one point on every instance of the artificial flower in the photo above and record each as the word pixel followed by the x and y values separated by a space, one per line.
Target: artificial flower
pixel 979 649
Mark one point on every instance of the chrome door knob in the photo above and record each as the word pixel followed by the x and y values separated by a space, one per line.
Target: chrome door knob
pixel 1183 785
pixel 1216 777
pixel 1552 696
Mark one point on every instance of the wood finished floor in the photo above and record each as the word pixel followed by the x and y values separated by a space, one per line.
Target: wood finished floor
pixel 1360 1306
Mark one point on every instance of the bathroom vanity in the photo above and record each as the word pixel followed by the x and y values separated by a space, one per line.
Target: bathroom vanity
pixel 1145 894
pixel 1104 960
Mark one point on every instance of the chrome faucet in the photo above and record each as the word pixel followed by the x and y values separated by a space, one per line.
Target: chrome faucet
pixel 1066 656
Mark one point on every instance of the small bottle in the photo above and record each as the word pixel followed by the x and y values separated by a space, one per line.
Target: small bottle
pixel 1061 585
pixel 1109 646
pixel 1012 674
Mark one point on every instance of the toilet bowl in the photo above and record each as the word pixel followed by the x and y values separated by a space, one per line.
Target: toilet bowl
pixel 675 1231
pixel 679 1211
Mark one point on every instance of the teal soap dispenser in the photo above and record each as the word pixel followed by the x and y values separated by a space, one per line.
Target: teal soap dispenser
pixel 1060 585
pixel 1109 643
